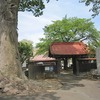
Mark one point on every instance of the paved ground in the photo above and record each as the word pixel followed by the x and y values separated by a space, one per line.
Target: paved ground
pixel 74 88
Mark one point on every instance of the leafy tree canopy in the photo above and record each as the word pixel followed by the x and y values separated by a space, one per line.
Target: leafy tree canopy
pixel 35 6
pixel 94 45
pixel 95 6
pixel 68 30
pixel 25 49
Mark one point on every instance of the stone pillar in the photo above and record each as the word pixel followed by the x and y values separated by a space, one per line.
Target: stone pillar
pixel 30 71
pixel 98 59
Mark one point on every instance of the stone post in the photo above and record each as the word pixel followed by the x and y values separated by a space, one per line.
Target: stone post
pixel 98 59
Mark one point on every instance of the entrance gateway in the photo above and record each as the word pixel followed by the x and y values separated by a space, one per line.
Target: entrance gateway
pixel 66 50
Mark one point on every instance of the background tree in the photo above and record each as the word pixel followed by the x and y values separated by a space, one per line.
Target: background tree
pixel 25 49
pixel 94 45
pixel 68 30
pixel 95 6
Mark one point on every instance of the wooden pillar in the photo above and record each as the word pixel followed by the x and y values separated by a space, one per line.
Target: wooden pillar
pixel 75 66
pixel 58 65
pixel 65 63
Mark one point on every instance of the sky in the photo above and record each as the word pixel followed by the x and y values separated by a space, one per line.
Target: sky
pixel 31 28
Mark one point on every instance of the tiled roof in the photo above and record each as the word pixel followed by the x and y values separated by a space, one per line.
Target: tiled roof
pixel 42 58
pixel 68 48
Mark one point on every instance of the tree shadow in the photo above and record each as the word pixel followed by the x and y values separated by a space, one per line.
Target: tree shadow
pixel 41 96
pixel 68 80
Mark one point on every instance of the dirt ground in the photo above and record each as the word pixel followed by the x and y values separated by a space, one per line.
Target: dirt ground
pixel 66 87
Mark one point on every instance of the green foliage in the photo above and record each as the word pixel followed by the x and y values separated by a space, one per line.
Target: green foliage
pixel 35 6
pixel 43 46
pixel 94 44
pixel 68 30
pixel 25 49
pixel 95 6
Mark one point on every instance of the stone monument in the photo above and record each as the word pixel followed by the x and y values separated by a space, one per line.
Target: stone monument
pixel 98 59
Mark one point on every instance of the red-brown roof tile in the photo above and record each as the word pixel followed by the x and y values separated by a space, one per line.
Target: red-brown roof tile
pixel 68 48
pixel 42 58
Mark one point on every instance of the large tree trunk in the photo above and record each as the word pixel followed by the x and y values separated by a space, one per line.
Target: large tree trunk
pixel 9 55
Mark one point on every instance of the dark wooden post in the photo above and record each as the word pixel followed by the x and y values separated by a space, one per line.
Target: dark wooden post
pixel 75 66
pixel 65 63
pixel 58 65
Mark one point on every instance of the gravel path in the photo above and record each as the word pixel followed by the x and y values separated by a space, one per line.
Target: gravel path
pixel 73 88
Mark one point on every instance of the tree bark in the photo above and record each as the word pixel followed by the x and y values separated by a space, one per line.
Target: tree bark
pixel 9 55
